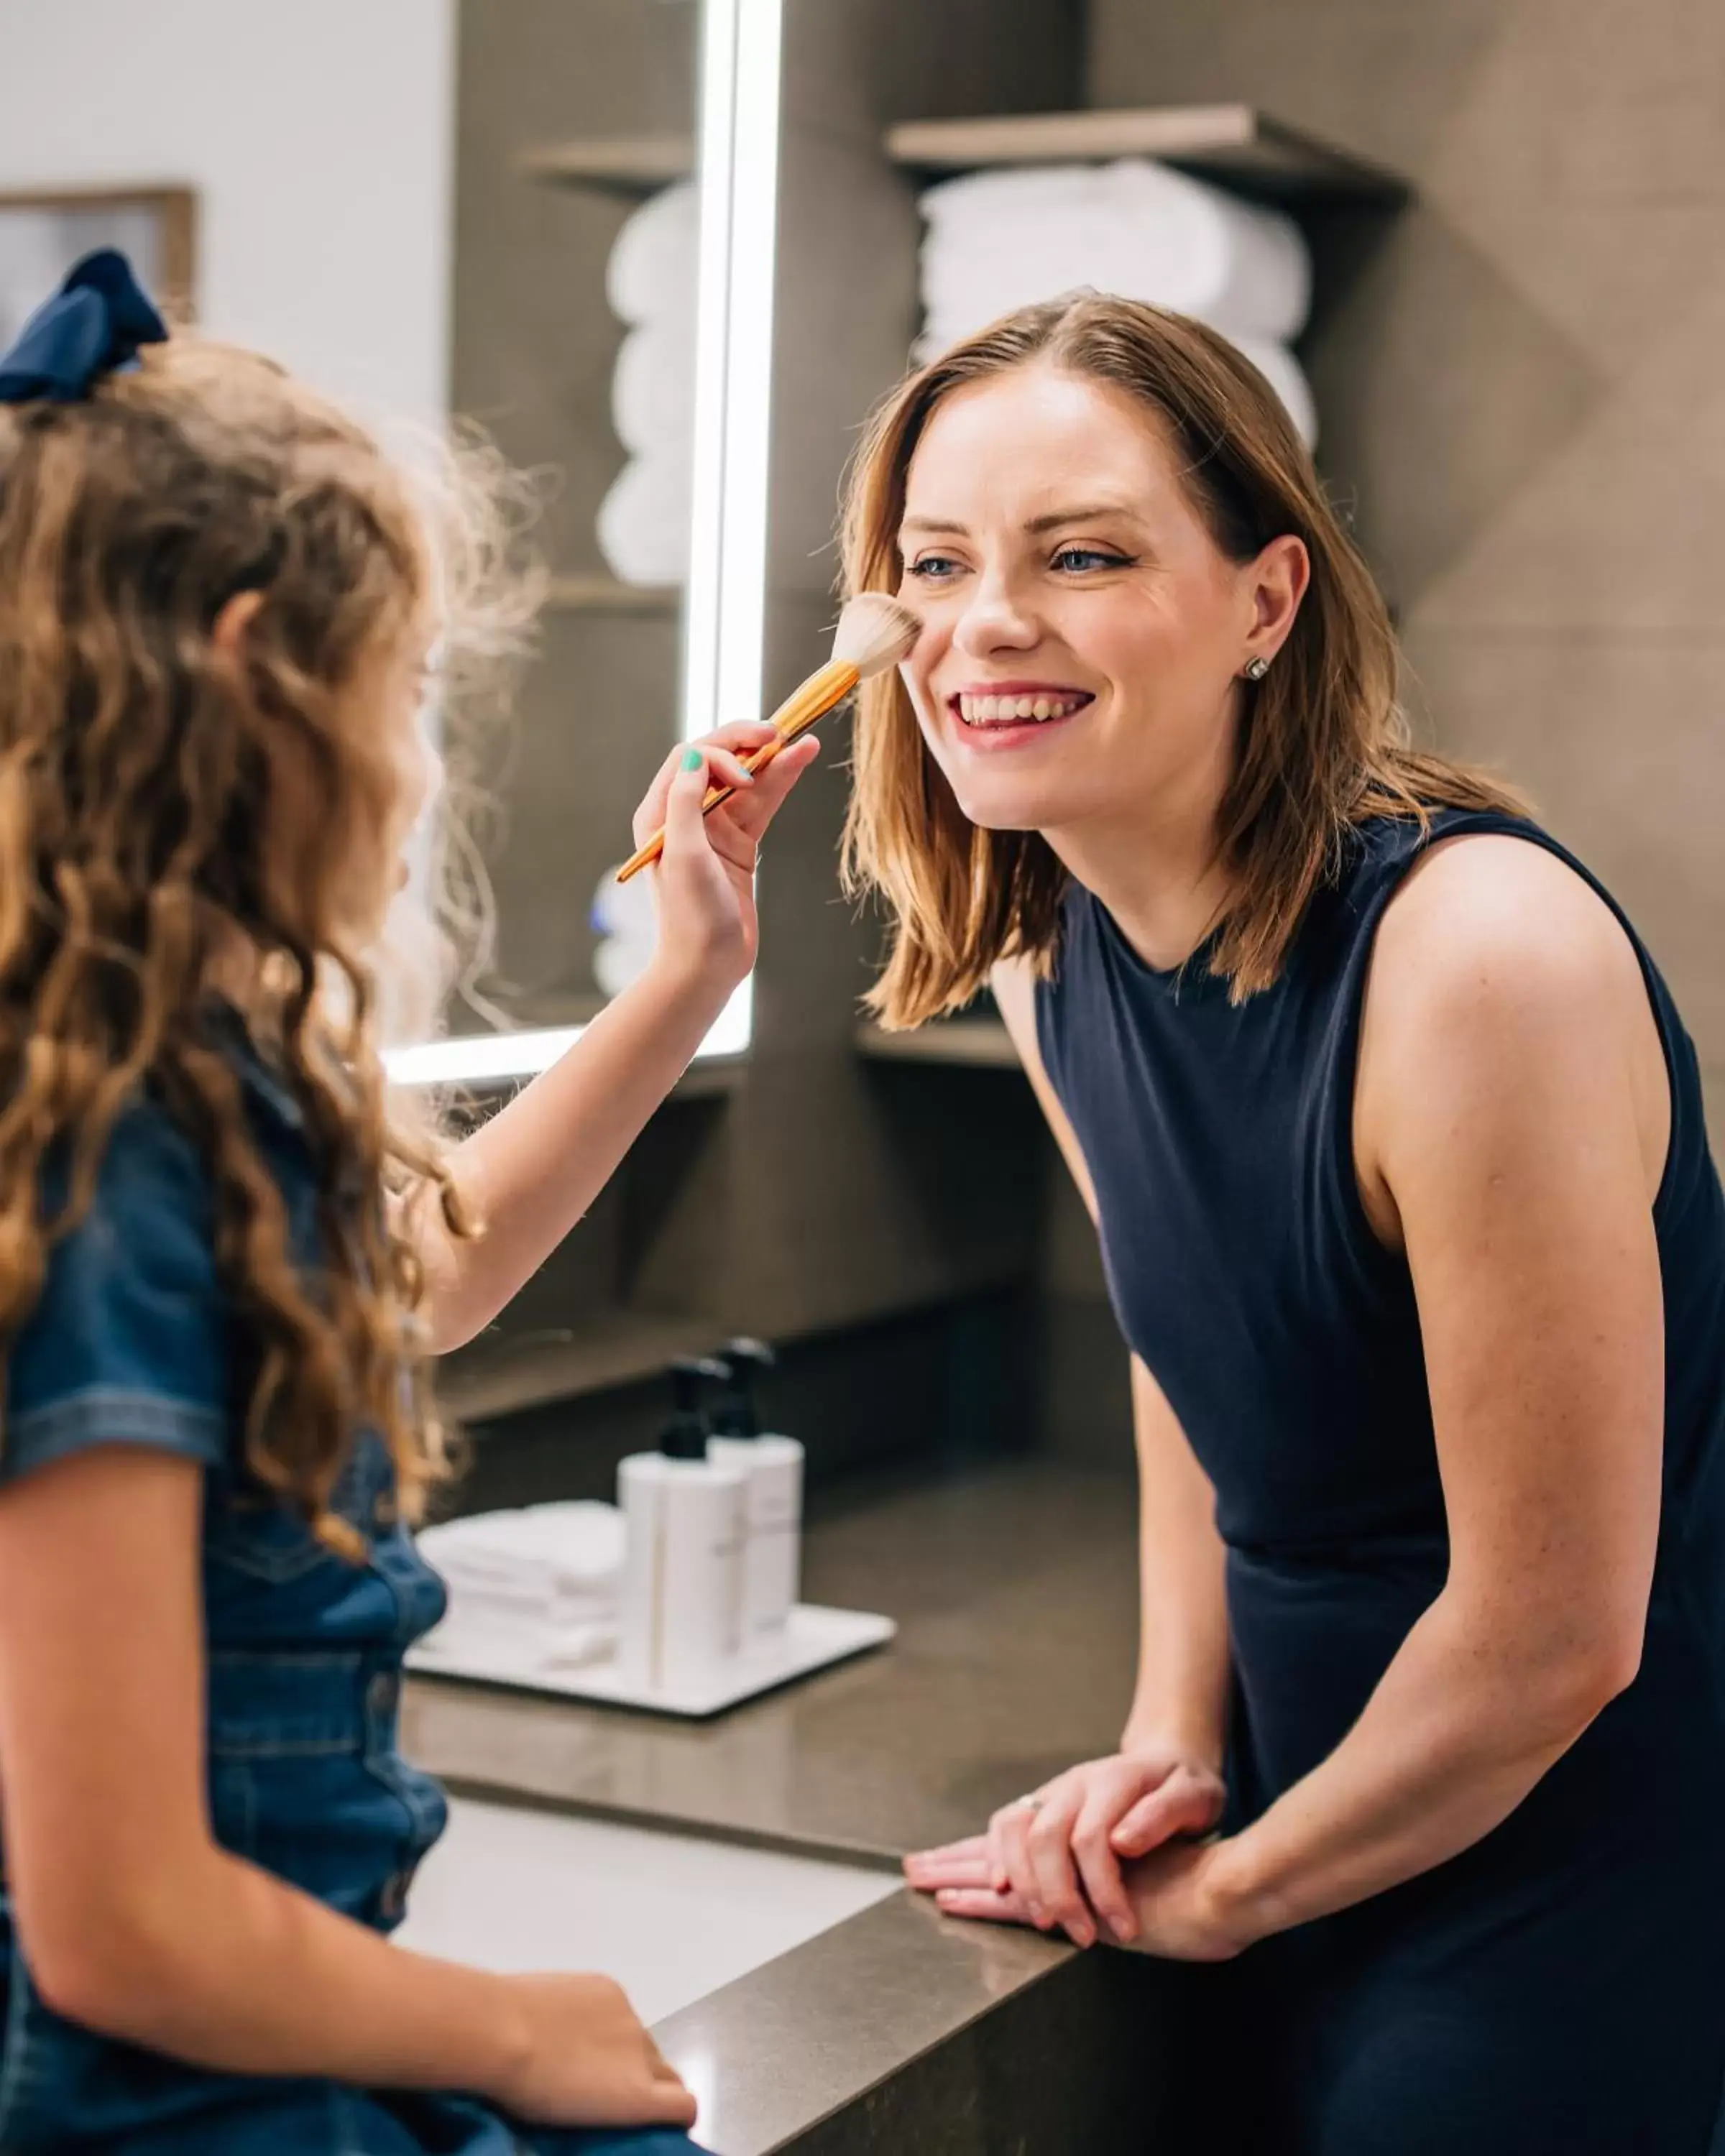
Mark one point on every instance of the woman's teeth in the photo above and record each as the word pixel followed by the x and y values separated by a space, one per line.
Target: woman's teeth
pixel 1014 711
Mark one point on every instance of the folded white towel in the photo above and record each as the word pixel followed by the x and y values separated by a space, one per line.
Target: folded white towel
pixel 651 279
pixel 652 389
pixel 1286 376
pixel 528 1588
pixel 545 1555
pixel 1000 240
pixel 651 274
pixel 577 1541
pixel 463 1638
pixel 643 523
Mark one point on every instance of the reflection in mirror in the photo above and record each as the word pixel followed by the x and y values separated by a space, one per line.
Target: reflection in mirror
pixel 630 311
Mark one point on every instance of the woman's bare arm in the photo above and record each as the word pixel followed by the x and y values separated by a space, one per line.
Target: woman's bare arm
pixel 1512 1123
pixel 1181 1694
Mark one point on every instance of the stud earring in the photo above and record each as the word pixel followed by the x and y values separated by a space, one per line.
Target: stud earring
pixel 1256 667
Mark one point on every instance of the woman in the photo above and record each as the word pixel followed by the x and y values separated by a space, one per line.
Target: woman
pixel 1393 1139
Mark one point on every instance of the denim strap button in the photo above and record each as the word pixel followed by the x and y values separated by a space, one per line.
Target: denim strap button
pixel 392 1896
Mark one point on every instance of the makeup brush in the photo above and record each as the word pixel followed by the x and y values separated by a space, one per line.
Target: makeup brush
pixel 875 632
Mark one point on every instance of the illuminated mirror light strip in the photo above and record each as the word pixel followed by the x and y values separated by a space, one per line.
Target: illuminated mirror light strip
pixel 481 1057
pixel 724 615
pixel 724 620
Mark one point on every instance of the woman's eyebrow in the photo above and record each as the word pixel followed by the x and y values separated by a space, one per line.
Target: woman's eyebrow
pixel 1087 513
pixel 1052 520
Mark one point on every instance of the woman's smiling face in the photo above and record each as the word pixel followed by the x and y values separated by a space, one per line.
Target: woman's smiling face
pixel 1084 633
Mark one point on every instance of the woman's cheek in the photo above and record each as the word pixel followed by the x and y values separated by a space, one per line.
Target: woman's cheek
pixel 932 739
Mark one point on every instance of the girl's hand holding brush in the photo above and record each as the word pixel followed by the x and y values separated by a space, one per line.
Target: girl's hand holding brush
pixel 701 822
pixel 706 876
pixel 875 631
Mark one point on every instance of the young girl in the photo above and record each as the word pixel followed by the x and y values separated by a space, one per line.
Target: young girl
pixel 221 1265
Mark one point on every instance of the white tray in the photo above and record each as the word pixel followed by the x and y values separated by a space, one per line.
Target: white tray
pixel 813 1639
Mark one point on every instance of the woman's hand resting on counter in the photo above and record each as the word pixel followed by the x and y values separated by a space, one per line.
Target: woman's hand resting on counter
pixel 1073 1858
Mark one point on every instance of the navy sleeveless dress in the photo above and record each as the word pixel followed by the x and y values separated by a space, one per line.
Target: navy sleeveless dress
pixel 1558 1989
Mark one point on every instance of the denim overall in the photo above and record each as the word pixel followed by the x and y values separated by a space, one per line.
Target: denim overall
pixel 133 1343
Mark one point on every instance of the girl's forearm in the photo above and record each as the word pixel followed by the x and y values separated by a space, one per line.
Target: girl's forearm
pixel 532 1171
pixel 1462 1725
pixel 235 1971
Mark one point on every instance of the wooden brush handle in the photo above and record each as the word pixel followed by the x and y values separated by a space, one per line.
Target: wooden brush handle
pixel 798 712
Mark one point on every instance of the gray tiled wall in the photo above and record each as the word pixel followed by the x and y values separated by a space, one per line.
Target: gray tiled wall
pixel 1523 382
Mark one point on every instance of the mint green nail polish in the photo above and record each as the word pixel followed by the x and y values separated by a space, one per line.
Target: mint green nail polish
pixel 692 759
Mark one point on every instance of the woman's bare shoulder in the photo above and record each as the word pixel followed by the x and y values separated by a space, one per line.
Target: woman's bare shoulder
pixel 1501 976
pixel 1486 923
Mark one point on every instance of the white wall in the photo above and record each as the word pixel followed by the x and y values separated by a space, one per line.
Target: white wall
pixel 320 134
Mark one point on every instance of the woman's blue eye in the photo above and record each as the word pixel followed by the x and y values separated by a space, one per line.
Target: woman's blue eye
pixel 932 566
pixel 1080 558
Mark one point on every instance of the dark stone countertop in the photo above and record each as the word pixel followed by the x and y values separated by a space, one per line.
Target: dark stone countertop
pixel 1013 1584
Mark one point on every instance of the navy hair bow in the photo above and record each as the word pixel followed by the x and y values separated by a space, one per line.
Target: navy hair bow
pixel 92 327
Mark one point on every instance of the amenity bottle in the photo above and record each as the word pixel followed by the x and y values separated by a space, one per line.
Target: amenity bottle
pixel 680 1612
pixel 773 1538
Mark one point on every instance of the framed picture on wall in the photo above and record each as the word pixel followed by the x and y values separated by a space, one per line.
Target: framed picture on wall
pixel 44 232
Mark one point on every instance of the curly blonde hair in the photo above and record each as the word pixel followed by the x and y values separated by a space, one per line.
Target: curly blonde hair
pixel 1323 746
pixel 163 802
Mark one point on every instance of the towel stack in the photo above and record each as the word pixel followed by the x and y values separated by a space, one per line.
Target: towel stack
pixel 1000 241
pixel 643 521
pixel 539 1584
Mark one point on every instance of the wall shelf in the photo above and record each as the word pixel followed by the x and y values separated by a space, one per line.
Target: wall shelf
pixel 620 164
pixel 1235 144
pixel 497 1375
pixel 593 593
pixel 976 1044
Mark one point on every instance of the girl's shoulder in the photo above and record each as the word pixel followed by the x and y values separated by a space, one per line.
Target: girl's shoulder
pixel 127 1341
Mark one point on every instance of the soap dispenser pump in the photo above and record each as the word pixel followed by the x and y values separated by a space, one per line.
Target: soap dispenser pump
pixel 678 1617
pixel 773 1538
pixel 685 1433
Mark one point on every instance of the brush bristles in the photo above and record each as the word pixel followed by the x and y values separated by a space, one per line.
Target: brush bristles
pixel 875 632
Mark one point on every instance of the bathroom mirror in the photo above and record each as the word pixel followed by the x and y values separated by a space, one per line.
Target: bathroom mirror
pixel 615 227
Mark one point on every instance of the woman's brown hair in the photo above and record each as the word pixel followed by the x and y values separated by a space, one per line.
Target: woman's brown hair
pixel 1323 742
pixel 163 802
